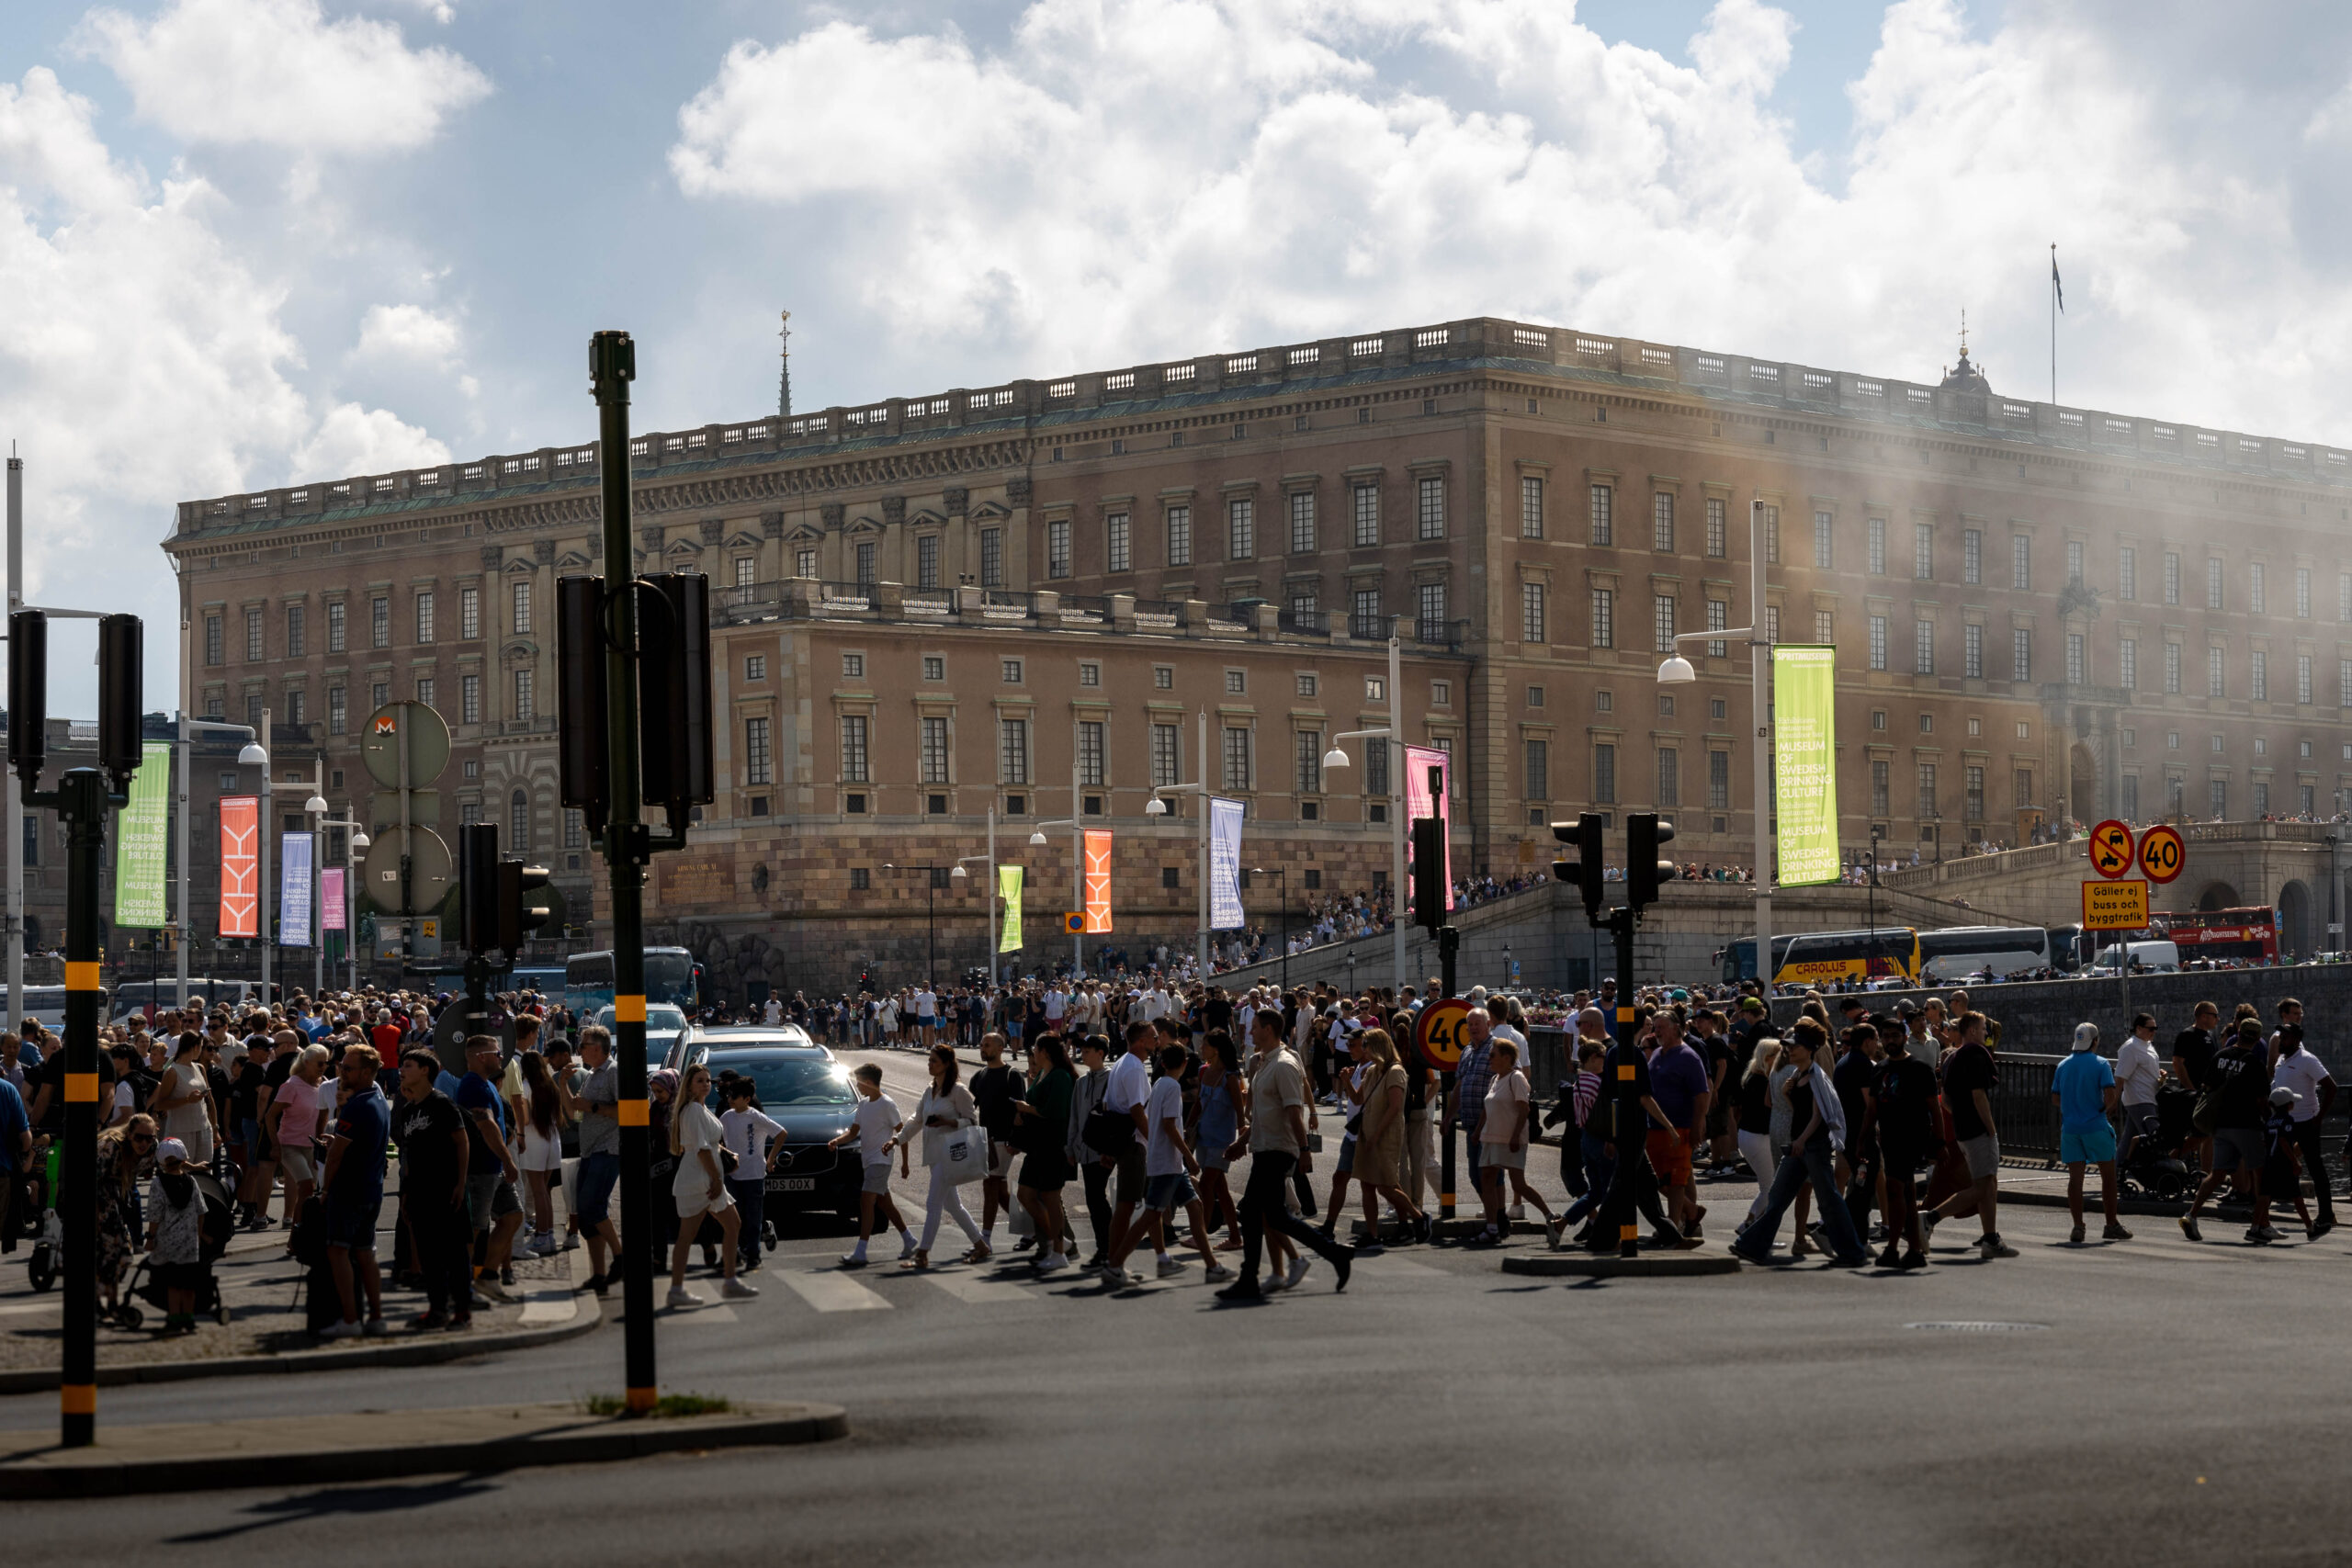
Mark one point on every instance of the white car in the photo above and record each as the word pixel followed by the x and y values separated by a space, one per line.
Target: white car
pixel 663 1024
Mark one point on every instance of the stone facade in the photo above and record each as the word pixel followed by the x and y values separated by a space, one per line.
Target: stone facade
pixel 2042 610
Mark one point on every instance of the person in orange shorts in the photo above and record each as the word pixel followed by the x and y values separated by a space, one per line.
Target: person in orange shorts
pixel 1678 1083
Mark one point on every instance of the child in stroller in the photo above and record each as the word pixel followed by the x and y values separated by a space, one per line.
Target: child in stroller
pixel 187 1229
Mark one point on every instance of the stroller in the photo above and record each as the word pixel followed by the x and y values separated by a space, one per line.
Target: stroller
pixel 37 1202
pixel 2156 1168
pixel 217 1224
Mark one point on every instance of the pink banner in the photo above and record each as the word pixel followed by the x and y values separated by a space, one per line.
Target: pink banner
pixel 1420 803
pixel 330 899
pixel 240 865
pixel 1098 881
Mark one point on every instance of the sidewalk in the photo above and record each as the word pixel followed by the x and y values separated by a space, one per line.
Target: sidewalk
pixel 326 1447
pixel 265 1331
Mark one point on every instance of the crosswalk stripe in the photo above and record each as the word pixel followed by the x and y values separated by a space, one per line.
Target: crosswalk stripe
pixel 972 1290
pixel 719 1312
pixel 828 1290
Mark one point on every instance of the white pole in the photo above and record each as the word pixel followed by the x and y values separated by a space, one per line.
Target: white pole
pixel 1395 744
pixel 263 894
pixel 318 891
pixel 988 905
pixel 1759 659
pixel 15 803
pixel 1201 941
pixel 1078 864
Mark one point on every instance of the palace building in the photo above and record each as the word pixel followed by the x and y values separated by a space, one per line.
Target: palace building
pixel 1030 597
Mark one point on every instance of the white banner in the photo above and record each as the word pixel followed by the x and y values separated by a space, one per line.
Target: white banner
pixel 294 890
pixel 1225 864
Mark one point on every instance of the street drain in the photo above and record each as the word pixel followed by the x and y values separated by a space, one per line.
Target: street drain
pixel 1981 1328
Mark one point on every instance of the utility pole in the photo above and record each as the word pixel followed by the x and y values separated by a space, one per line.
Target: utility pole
pixel 83 797
pixel 14 804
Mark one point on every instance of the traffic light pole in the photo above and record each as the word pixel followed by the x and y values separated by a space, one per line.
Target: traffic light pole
pixel 627 848
pixel 1448 945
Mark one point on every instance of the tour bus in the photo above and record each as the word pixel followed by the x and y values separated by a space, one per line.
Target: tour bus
pixel 1889 952
pixel 672 976
pixel 1963 953
pixel 2236 936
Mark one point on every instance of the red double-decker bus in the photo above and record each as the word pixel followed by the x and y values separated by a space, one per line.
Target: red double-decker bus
pixel 2237 936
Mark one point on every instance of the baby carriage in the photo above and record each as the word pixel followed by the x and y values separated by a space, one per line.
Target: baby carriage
pixel 217 1224
pixel 2157 1166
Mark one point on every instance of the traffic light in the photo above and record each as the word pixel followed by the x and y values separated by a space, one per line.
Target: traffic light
pixel 120 676
pixel 673 687
pixel 1646 834
pixel 478 885
pixel 1429 872
pixel 1586 870
pixel 28 696
pixel 522 905
pixel 582 739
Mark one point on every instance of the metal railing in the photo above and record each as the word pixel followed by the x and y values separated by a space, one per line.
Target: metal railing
pixel 1305 623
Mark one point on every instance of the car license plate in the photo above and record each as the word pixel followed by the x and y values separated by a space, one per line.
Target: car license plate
pixel 792 1184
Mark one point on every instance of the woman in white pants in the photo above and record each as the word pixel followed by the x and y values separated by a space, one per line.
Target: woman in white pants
pixel 945 1107
pixel 1754 1115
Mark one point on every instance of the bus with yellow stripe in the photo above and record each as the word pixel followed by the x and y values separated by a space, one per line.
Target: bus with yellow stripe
pixel 1828 958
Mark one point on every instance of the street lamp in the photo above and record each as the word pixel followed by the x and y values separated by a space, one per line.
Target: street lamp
pixel 355 839
pixel 1155 807
pixel 1395 734
pixel 1870 904
pixel 1676 671
pixel 1284 875
pixel 256 754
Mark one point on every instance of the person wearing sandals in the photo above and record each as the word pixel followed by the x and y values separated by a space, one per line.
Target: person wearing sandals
pixel 946 1109
pixel 1380 1146
pixel 699 1187
pixel 1222 1126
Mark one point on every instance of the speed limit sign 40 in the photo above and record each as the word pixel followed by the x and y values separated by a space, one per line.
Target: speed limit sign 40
pixel 2162 855
pixel 1438 1034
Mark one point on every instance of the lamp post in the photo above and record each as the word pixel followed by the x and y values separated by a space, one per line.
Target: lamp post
pixel 1038 839
pixel 1870 905
pixel 355 839
pixel 931 902
pixel 257 753
pixel 1395 734
pixel 1676 670
pixel 1284 875
pixel 1155 807
pixel 988 904
pixel 184 750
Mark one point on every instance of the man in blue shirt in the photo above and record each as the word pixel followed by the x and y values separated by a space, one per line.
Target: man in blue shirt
pixel 2083 1089
pixel 354 1181
pixel 15 1156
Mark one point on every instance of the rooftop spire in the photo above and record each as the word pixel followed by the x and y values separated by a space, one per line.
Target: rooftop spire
pixel 784 382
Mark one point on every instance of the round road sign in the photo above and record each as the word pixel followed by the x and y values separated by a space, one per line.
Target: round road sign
pixel 2162 855
pixel 2110 849
pixel 413 726
pixel 1438 1034
pixel 429 871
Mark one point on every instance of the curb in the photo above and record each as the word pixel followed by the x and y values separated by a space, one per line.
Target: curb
pixel 94 1472
pixel 412 1352
pixel 1650 1266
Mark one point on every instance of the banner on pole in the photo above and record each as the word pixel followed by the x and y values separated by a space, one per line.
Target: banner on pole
pixel 1008 885
pixel 1098 881
pixel 143 833
pixel 294 890
pixel 330 899
pixel 240 865
pixel 1420 801
pixel 1805 763
pixel 1225 864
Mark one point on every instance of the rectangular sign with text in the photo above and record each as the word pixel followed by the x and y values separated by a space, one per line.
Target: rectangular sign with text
pixel 2115 906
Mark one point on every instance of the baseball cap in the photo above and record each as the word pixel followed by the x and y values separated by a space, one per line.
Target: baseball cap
pixel 1751 1004
pixel 1906 1008
pixel 2282 1095
pixel 173 1149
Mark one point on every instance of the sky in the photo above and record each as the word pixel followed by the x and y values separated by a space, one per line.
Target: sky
pixel 247 243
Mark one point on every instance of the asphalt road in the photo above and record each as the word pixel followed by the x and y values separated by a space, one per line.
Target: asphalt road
pixel 2171 1404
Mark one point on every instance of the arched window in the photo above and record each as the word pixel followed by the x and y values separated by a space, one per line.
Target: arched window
pixel 518 823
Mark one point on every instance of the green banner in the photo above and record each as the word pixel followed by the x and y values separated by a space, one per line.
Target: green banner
pixel 143 833
pixel 1804 763
pixel 1008 882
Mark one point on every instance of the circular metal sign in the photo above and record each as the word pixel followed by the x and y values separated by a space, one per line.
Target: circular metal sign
pixel 2110 849
pixel 428 872
pixel 424 732
pixel 2163 853
pixel 1437 1035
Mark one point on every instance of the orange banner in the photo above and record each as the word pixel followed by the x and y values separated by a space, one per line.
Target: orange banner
pixel 240 865
pixel 1098 881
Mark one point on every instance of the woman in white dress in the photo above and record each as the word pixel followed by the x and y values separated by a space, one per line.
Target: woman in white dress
pixel 542 1152
pixel 700 1188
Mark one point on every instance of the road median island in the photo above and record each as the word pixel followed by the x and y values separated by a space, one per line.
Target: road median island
pixel 314 1451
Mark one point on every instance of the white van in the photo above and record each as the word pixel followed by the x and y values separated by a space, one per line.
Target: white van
pixel 2147 958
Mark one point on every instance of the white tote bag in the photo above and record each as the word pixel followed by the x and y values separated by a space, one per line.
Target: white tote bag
pixel 965 1151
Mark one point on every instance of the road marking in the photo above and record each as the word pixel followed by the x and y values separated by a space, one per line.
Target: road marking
pixel 719 1313
pixel 1389 1263
pixel 974 1291
pixel 828 1290
pixel 54 1308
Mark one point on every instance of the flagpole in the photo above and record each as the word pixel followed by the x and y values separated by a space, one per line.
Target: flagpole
pixel 2053 320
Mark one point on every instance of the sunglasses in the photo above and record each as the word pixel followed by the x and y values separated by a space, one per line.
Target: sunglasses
pixel 142 1138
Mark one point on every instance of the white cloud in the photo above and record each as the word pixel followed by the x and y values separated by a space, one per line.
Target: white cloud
pixel 409 332
pixel 278 72
pixel 1129 179
pixel 354 440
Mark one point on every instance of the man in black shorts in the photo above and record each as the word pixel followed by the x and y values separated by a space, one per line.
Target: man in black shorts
pixel 1903 1112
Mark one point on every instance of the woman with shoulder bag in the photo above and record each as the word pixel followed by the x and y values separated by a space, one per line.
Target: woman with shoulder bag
pixel 944 1113
pixel 1380 1145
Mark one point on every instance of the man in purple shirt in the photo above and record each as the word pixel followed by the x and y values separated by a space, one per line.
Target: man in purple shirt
pixel 1678 1083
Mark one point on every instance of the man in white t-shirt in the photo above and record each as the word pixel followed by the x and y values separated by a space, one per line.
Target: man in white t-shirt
pixel 2299 1070
pixel 1056 1006
pixel 927 1013
pixel 772 1013
pixel 2136 1072
pixel 1126 1095
pixel 874 1128
pixel 1169 1165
